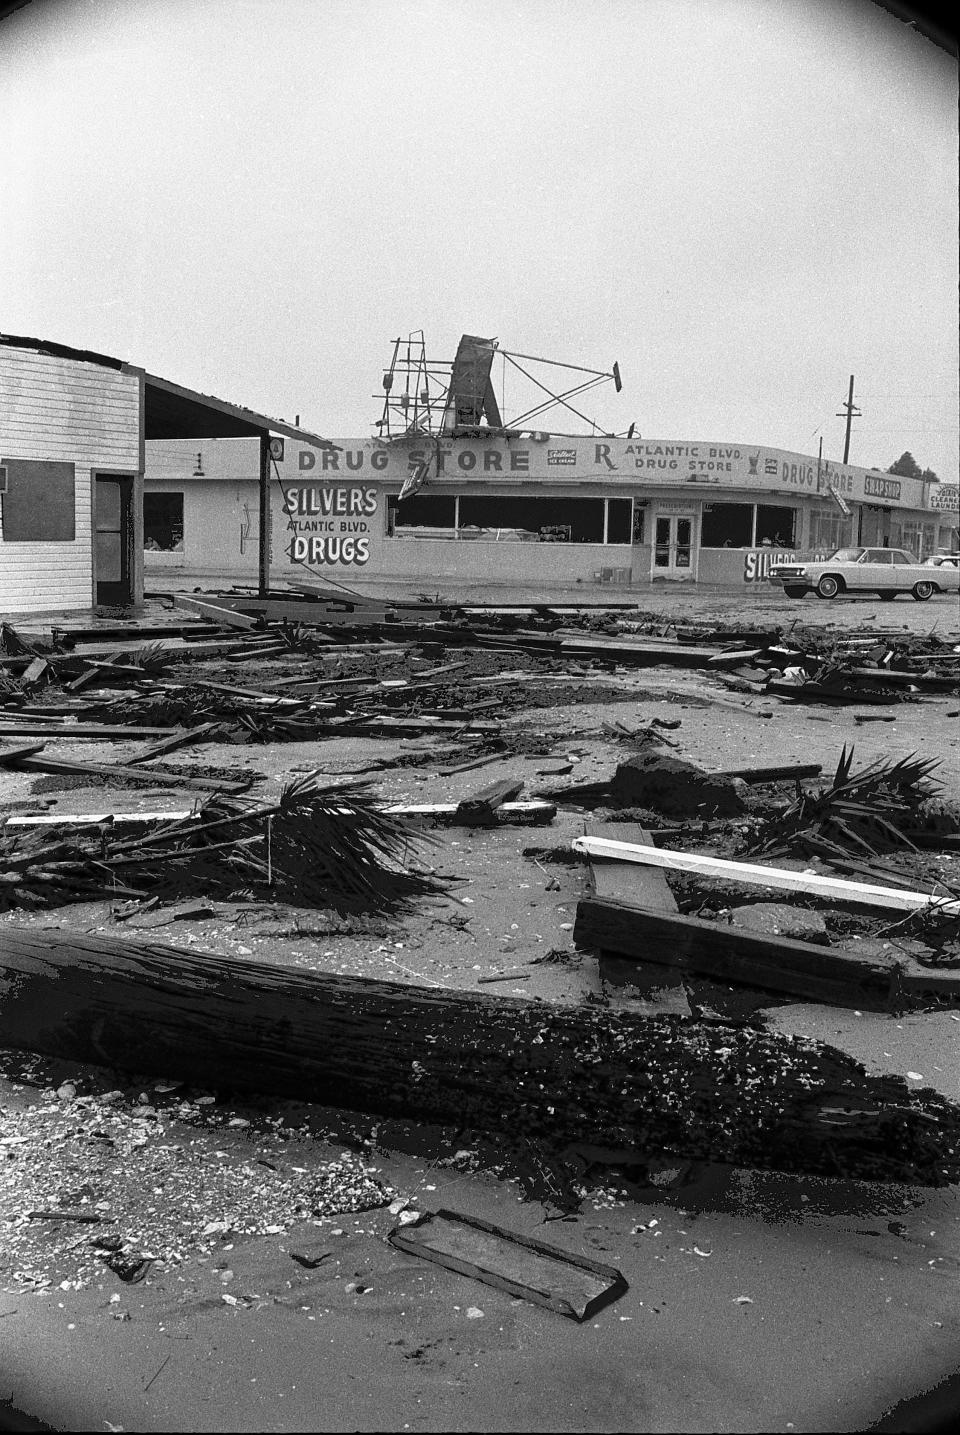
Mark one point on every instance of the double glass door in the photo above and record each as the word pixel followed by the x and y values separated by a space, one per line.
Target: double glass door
pixel 672 546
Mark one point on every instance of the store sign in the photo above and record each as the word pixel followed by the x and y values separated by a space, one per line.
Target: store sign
pixel 633 462
pixel 328 525
pixel 881 487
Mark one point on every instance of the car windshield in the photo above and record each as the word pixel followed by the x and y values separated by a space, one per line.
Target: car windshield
pixel 847 555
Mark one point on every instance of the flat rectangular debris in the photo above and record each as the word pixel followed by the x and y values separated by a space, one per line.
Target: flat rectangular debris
pixel 575 1286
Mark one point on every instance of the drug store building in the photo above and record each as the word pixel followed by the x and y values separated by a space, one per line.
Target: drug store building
pixel 521 508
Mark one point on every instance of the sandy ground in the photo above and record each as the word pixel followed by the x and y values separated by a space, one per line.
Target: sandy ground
pixel 756 1302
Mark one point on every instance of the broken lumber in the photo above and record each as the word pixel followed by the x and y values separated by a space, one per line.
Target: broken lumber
pixel 523 1069
pixel 479 809
pixel 644 887
pixel 130 774
pixel 787 773
pixel 535 812
pixel 13 756
pixel 93 731
pixel 835 888
pixel 805 971
pixel 181 737
pixel 224 617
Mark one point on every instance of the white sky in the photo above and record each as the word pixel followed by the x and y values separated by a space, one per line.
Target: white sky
pixel 742 201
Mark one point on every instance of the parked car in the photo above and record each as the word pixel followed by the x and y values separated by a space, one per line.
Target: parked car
pixel 938 560
pixel 885 571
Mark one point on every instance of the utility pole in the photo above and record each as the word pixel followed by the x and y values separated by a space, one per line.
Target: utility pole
pixel 851 414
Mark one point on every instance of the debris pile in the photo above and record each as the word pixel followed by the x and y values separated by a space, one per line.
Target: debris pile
pixel 320 845
pixel 102 1182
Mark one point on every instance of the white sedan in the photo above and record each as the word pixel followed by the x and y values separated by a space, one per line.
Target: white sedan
pixel 885 571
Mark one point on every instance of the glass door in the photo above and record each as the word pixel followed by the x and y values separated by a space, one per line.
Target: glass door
pixel 673 547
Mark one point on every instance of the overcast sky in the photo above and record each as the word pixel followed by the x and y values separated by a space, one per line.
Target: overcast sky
pixel 741 201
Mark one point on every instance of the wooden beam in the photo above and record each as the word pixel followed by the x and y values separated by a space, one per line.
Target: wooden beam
pixel 181 737
pixel 480 808
pixel 129 774
pixel 535 812
pixel 732 954
pixel 519 1068
pixel 225 617
pixel 834 888
pixel 99 731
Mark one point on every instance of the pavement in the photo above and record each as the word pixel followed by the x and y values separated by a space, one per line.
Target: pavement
pixel 756 1302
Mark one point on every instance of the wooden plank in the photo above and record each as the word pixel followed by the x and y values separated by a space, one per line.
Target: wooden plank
pixel 787 773
pixel 479 809
pixel 732 954
pixel 572 1285
pixel 507 1065
pixel 12 756
pixel 35 673
pixel 224 617
pixel 645 887
pixel 81 730
pixel 733 660
pixel 96 769
pixel 67 820
pixel 629 882
pixel 182 737
pixel 535 812
pixel 834 888
pixel 638 653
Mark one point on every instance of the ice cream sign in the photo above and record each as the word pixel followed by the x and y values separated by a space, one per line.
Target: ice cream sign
pixel 328 525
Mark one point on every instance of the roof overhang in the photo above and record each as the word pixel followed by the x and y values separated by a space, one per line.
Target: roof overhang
pixel 172 411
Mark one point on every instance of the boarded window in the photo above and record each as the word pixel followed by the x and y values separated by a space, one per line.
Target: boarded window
pixel 39 505
pixel 163 522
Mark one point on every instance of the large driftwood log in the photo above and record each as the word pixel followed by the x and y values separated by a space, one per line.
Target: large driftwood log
pixel 568 1074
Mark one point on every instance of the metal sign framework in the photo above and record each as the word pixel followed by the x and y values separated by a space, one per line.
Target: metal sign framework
pixel 444 397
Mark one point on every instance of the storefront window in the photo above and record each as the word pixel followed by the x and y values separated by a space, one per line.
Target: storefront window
pixel 549 520
pixel 727 525
pixel 423 510
pixel 776 526
pixel 829 530
pixel 163 522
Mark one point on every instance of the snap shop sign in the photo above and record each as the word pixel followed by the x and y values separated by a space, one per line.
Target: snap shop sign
pixel 328 525
pixel 633 462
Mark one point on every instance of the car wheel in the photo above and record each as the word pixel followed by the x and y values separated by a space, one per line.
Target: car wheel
pixel 829 587
pixel 792 591
pixel 924 590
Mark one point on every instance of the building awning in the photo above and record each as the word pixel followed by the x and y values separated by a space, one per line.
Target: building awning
pixel 170 411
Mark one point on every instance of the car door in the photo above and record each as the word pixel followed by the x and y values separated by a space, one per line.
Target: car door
pixel 872 569
pixel 906 570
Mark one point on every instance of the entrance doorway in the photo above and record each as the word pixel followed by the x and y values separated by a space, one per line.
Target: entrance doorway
pixel 673 547
pixel 113 539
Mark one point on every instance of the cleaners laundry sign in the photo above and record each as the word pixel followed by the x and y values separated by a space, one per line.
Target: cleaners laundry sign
pixel 329 525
